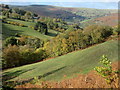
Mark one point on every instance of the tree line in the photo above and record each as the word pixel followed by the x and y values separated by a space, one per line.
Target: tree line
pixel 42 23
pixel 25 49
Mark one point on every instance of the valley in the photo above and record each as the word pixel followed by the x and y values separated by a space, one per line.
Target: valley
pixel 49 46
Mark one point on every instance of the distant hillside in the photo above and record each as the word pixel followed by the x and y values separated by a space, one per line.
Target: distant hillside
pixel 68 14
pixel 110 20
pixel 81 61
pixel 52 11
pixel 91 13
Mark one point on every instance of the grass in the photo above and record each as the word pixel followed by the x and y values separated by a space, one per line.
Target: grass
pixel 70 64
pixel 23 22
pixel 11 30
pixel 90 80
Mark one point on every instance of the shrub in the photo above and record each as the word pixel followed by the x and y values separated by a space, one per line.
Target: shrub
pixel 34 42
pixel 31 27
pixel 106 70
pixel 30 55
pixel 11 56
pixel 116 30
pixel 27 55
pixel 15 23
pixel 8 22
pixel 11 41
pixel 14 56
pixel 98 33
pixel 40 53
pixel 41 27
pixel 22 25
pixel 17 35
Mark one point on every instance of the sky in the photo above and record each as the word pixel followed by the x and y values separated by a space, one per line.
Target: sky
pixel 59 0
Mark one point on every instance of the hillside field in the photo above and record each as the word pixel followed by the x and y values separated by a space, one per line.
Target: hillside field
pixel 109 20
pixel 11 30
pixel 81 61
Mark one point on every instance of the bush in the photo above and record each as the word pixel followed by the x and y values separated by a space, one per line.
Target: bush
pixel 106 70
pixel 26 54
pixel 14 56
pixel 11 57
pixel 98 33
pixel 34 42
pixel 22 25
pixel 41 27
pixel 31 27
pixel 30 55
pixel 11 41
pixel 8 22
pixel 15 23
pixel 40 53
pixel 116 30
pixel 17 35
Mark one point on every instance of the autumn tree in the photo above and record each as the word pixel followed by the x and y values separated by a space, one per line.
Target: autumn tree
pixel 98 33
pixel 41 27
pixel 28 15
pixel 11 56
pixel 15 16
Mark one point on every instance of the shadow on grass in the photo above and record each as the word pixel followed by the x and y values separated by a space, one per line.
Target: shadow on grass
pixel 52 34
pixel 17 73
pixel 51 72
pixel 7 32
pixel 11 75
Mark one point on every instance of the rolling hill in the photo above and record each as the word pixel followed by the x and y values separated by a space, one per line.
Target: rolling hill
pixel 66 13
pixel 110 20
pixel 81 61
pixel 11 30
pixel 52 11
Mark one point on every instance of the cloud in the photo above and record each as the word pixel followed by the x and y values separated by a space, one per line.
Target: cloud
pixel 59 0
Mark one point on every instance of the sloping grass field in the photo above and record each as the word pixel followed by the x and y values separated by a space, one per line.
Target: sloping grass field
pixel 11 30
pixel 71 64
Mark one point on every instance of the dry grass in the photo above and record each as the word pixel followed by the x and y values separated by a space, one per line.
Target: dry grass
pixel 111 20
pixel 90 80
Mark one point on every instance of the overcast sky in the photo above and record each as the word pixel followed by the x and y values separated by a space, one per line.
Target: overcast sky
pixel 59 0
